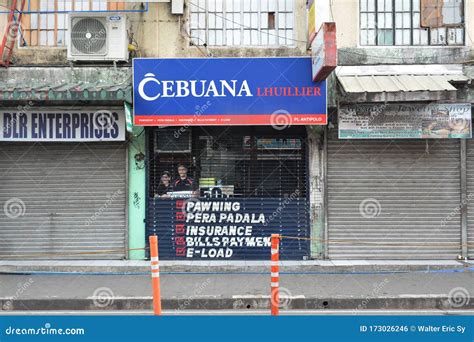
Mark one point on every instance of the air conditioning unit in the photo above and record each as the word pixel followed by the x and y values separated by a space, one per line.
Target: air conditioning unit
pixel 97 37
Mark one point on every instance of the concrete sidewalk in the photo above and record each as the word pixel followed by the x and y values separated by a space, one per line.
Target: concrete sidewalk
pixel 445 290
pixel 134 266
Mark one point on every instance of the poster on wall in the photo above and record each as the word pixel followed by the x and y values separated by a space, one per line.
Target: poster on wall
pixel 62 125
pixel 410 121
pixel 232 229
pixel 227 91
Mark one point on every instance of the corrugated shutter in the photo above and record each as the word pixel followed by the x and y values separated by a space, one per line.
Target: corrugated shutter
pixel 400 192
pixel 470 197
pixel 62 199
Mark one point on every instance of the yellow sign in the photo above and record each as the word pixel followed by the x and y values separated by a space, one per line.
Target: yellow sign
pixel 312 22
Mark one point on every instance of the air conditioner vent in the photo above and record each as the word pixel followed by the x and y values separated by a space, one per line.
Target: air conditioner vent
pixel 89 35
pixel 97 37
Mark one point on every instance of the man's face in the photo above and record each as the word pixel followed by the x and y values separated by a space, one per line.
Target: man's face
pixel 183 172
pixel 165 179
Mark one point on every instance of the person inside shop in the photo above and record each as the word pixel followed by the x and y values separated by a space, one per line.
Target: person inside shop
pixel 184 182
pixel 164 186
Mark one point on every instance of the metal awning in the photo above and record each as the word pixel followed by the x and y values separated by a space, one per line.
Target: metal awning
pixel 58 85
pixel 399 83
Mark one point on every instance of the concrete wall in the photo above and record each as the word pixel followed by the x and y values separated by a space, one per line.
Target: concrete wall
pixel 162 34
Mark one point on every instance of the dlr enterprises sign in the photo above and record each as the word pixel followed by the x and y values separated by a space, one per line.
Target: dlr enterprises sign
pixel 57 125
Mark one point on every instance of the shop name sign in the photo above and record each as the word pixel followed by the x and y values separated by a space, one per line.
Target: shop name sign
pixel 405 120
pixel 61 125
pixel 241 91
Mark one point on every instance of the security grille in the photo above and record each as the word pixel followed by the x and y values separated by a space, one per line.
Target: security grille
pixel 393 199
pixel 62 200
pixel 258 162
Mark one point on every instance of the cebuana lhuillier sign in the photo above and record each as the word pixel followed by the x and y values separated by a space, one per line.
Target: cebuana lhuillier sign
pixel 241 91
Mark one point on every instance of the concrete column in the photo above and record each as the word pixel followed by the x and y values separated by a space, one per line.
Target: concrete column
pixel 136 194
pixel 316 191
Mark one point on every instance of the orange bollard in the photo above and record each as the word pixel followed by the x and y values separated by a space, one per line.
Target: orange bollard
pixel 155 274
pixel 275 276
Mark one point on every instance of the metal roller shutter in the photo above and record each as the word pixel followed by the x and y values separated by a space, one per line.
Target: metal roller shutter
pixel 399 192
pixel 470 198
pixel 61 200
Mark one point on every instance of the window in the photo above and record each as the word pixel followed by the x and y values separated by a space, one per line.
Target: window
pixel 411 22
pixel 48 27
pixel 247 162
pixel 241 22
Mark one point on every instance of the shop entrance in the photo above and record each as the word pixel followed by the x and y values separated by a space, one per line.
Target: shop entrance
pixel 220 192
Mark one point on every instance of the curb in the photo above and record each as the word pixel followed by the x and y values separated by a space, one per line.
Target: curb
pixel 427 302
pixel 21 269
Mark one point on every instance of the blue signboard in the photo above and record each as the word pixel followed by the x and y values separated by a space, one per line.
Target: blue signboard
pixel 227 91
pixel 228 228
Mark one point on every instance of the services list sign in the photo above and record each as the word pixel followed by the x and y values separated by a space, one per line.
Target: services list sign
pixel 62 125
pixel 228 228
pixel 227 91
pixel 411 121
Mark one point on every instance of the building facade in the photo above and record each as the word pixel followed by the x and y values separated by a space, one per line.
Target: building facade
pixel 372 183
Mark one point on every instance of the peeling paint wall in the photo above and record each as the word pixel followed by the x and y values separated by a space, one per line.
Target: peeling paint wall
pixel 162 34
